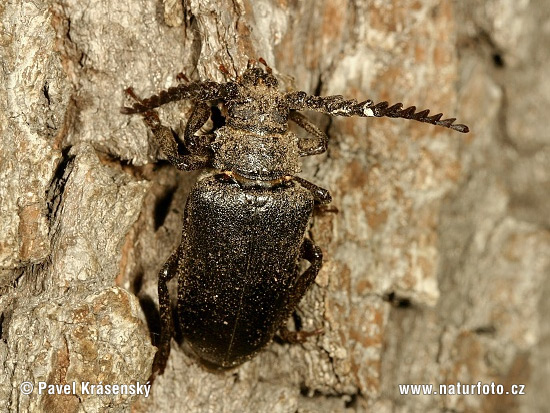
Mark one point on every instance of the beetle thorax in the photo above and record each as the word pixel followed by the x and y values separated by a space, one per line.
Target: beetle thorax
pixel 254 156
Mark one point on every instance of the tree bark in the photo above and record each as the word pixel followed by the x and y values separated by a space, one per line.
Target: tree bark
pixel 435 266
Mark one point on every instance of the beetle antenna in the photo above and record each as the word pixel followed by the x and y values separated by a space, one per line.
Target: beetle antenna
pixel 201 91
pixel 338 106
pixel 383 109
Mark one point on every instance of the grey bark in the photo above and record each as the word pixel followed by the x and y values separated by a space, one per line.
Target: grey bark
pixel 452 228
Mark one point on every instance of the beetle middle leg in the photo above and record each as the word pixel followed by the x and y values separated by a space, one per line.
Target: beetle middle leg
pixel 320 195
pixel 313 254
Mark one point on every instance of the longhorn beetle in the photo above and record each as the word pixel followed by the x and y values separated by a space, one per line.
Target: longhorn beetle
pixel 244 224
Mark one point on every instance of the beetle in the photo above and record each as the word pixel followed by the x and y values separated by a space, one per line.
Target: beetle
pixel 244 223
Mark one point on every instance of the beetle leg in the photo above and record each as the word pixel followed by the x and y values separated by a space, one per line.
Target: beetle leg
pixel 312 253
pixel 309 146
pixel 168 271
pixel 320 195
pixel 165 140
pixel 197 143
pixel 297 337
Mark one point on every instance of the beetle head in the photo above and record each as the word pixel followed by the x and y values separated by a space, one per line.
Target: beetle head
pixel 256 76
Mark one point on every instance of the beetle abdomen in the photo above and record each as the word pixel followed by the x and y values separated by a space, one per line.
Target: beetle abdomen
pixel 241 252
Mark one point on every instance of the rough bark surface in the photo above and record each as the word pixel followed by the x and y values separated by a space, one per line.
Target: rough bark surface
pixel 436 265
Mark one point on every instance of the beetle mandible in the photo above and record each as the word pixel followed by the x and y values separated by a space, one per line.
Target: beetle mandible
pixel 244 224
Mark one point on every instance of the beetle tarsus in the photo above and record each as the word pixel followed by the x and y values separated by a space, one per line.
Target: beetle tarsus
pixel 297 337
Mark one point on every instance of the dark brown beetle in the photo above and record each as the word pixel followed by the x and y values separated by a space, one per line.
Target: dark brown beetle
pixel 244 224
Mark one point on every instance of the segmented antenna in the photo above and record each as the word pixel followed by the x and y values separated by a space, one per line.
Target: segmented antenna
pixel 383 109
pixel 201 91
pixel 144 105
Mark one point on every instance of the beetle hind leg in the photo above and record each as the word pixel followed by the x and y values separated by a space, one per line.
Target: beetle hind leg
pixel 312 253
pixel 296 337
pixel 167 272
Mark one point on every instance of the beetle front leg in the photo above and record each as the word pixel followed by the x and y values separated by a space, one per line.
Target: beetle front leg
pixel 312 253
pixel 198 144
pixel 309 146
pixel 169 269
pixel 165 140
